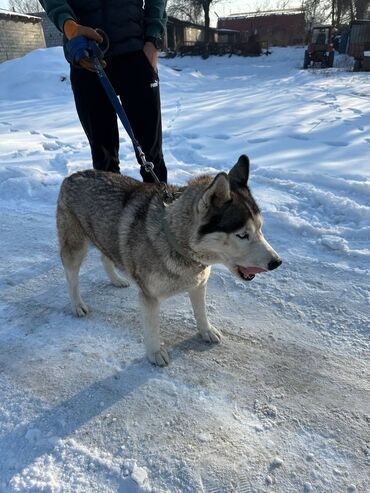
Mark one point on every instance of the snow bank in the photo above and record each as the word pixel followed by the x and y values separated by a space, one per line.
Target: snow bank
pixel 41 74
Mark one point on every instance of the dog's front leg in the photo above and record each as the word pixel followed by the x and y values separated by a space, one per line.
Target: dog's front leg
pixel 198 300
pixel 154 352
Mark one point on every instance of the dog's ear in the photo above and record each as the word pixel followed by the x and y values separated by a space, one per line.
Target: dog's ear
pixel 239 174
pixel 216 194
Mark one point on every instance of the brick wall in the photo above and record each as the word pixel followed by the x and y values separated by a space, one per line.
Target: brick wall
pixel 19 34
pixel 276 29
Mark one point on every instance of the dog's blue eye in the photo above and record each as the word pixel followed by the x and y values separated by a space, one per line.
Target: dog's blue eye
pixel 243 236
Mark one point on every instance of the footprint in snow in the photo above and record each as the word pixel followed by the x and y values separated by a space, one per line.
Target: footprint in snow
pixel 196 146
pixel 299 137
pixel 334 106
pixel 51 146
pixel 245 486
pixel 59 163
pixel 222 137
pixel 57 144
pixel 6 123
pixel 191 136
pixel 355 110
pixel 257 141
pixel 337 144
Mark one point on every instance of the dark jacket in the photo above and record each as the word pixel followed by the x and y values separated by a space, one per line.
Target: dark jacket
pixel 126 22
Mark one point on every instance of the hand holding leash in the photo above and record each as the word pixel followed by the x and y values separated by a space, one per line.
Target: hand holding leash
pixel 80 44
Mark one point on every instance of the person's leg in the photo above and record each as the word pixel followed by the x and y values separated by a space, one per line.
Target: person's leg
pixel 98 119
pixel 138 86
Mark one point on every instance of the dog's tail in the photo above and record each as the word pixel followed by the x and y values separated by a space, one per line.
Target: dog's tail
pixel 63 194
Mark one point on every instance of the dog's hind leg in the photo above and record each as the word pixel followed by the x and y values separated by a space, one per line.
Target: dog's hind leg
pixel 73 248
pixel 117 280
pixel 150 308
pixel 198 301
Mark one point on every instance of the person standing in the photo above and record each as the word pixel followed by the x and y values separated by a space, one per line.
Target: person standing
pixel 134 31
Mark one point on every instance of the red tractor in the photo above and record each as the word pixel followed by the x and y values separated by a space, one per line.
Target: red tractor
pixel 320 51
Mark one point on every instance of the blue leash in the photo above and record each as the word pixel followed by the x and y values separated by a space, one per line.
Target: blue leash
pixel 81 47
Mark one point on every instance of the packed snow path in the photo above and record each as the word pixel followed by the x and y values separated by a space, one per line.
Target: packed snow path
pixel 282 405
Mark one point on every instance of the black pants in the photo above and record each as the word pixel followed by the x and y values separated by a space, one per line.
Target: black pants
pixel 136 82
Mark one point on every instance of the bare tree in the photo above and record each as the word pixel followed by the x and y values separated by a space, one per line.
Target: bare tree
pixel 316 12
pixel 283 4
pixel 205 5
pixel 263 6
pixel 344 11
pixel 185 10
pixel 361 8
pixel 24 6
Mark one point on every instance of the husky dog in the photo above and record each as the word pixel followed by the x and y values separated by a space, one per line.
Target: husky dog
pixel 164 249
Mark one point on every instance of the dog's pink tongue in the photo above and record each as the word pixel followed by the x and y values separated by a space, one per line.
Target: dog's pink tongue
pixel 251 270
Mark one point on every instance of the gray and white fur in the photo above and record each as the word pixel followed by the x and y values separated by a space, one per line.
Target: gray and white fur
pixel 164 249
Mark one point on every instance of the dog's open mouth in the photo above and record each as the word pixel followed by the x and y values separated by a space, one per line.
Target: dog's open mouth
pixel 248 273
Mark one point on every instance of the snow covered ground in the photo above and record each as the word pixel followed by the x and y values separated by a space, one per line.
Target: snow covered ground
pixel 283 404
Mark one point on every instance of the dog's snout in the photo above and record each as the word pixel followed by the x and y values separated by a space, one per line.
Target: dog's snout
pixel 274 264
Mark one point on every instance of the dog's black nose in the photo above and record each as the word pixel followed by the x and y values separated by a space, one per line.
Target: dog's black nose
pixel 274 264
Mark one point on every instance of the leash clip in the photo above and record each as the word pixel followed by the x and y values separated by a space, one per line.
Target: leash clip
pixel 148 166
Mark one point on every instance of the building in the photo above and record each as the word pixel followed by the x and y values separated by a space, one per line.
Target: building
pixel 277 28
pixel 19 34
pixel 182 33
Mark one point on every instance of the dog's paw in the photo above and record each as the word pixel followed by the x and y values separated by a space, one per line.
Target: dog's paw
pixel 159 358
pixel 211 335
pixel 80 309
pixel 120 282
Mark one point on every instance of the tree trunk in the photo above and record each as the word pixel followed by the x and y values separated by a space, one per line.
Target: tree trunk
pixel 206 29
pixel 352 12
pixel 206 23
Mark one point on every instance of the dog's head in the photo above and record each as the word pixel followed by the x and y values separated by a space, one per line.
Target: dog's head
pixel 230 225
